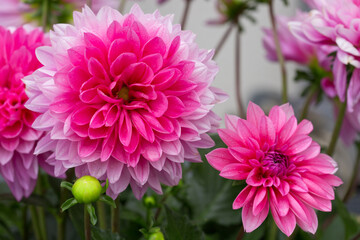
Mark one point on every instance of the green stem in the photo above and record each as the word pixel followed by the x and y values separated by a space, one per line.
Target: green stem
pixel 101 213
pixel 35 222
pixel 354 176
pixel 45 14
pixel 87 227
pixel 122 6
pixel 238 74
pixel 313 92
pixel 223 40
pixel 185 13
pixel 40 210
pixel 337 128
pixel 162 201
pixel 24 223
pixel 273 231
pixel 89 3
pixel 115 217
pixel 241 233
pixel 279 53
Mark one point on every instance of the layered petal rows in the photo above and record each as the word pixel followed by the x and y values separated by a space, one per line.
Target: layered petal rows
pixel 18 165
pixel 281 165
pixel 126 98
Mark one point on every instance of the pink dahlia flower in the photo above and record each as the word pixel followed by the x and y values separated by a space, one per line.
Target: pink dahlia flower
pixel 18 164
pixel 126 98
pixel 295 49
pixel 282 166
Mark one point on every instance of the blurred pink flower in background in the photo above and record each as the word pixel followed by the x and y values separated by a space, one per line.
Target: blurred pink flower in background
pixel 125 98
pixel 16 12
pixel 282 166
pixel 18 164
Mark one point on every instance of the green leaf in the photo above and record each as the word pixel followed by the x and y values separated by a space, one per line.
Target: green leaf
pixel 66 185
pixel 91 210
pixel 99 234
pixel 108 200
pixel 179 227
pixel 210 195
pixel 351 225
pixel 68 204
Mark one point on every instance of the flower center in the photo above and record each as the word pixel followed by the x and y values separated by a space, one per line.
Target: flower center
pixel 276 163
pixel 123 93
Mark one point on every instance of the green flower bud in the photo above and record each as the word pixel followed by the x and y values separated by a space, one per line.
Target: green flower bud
pixel 156 236
pixel 86 189
pixel 149 202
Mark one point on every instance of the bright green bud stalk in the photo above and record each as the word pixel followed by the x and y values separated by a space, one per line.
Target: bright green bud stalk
pixel 86 189
pixel 156 236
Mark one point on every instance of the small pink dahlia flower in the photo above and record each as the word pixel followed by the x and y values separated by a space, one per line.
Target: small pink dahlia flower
pixel 18 164
pixel 282 166
pixel 126 98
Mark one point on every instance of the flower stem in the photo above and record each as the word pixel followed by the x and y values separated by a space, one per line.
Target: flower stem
pixel 162 201
pixel 185 13
pixel 122 6
pixel 354 176
pixel 238 73
pixel 115 217
pixel 35 222
pixel 223 40
pixel 101 213
pixel 279 53
pixel 313 92
pixel 337 128
pixel 273 230
pixel 87 227
pixel 40 210
pixel 45 14
pixel 89 3
pixel 241 233
pixel 25 233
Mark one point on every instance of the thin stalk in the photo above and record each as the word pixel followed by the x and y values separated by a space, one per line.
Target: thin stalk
pixel 89 3
pixel 273 231
pixel 115 215
pixel 40 210
pixel 61 218
pixel 337 128
pixel 25 235
pixel 238 74
pixel 122 6
pixel 162 201
pixel 101 213
pixel 223 40
pixel 313 92
pixel 241 233
pixel 87 227
pixel 185 13
pixel 45 14
pixel 35 222
pixel 279 53
pixel 354 177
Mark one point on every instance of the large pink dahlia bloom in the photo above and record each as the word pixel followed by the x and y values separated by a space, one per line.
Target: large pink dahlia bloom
pixel 282 166
pixel 18 165
pixel 126 98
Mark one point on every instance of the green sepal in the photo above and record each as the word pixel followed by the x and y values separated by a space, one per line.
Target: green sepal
pixel 68 204
pixel 91 210
pixel 105 187
pixel 108 200
pixel 66 185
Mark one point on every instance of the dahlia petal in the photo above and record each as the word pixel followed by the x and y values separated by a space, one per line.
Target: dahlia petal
pixel 231 122
pixel 143 128
pixel 241 154
pixel 298 144
pixel 121 62
pixel 250 221
pixel 5 156
pixel 312 225
pixel 154 45
pixel 171 147
pixel 25 146
pixel 339 71
pixel 315 201
pixel 12 131
pixel 112 115
pixel 122 183
pixel 159 164
pixel 96 69
pixel 140 172
pixel 235 171
pixel 254 113
pixel 108 146
pixel 281 203
pixel 76 55
pixel 125 129
pixel 83 115
pixel 299 209
pixel 114 170
pixel 165 78
pixel 284 188
pixel 260 201
pixel 134 142
pixel 230 138
pixel 177 107
pixel 155 61
pixel 10 144
pixel 245 130
pixel 285 223
pixel 332 180
pixel 159 105
pixel 278 117
pixel 267 130
pixel 8 172
pixel 297 184
pixel 152 151
pixel 254 178
pixel 304 127
pixel 287 130
pixel 321 164
pixel 318 186
pixel 312 151
pixel 97 168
